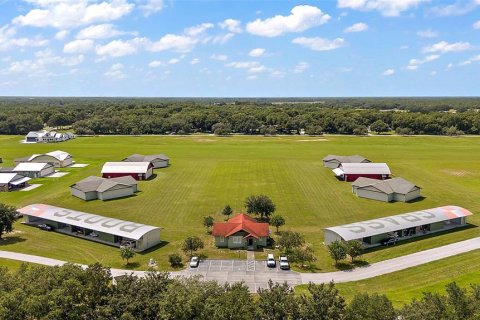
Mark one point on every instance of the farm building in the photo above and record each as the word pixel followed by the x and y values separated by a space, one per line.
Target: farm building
pixel 48 136
pixel 333 161
pixel 138 170
pixel 241 232
pixel 352 171
pixel 58 158
pixel 396 189
pixel 92 188
pixel 34 169
pixel 12 181
pixel 399 227
pixel 93 227
pixel 157 160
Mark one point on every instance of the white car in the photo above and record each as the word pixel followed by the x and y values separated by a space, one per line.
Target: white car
pixel 284 265
pixel 271 263
pixel 194 262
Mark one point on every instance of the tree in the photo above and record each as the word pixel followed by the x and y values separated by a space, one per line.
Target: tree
pixel 260 205
pixel 277 221
pixel 314 130
pixel 379 126
pixel 354 249
pixel 7 218
pixel 127 253
pixel 337 250
pixel 135 132
pixel 227 211
pixel 192 244
pixel 208 222
pixel 372 307
pixel 222 129
pixel 291 239
pixel 277 302
pixel 175 260
pixel 323 302
pixel 304 254
pixel 267 130
pixel 360 130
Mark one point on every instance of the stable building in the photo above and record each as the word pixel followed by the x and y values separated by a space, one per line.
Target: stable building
pixel 93 227
pixel 58 158
pixel 34 169
pixel 157 160
pixel 400 227
pixel 48 136
pixel 352 171
pixel 137 170
pixel 396 189
pixel 12 181
pixel 241 232
pixel 334 161
pixel 92 188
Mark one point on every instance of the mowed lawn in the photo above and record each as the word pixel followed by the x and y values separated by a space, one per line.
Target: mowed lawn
pixel 208 172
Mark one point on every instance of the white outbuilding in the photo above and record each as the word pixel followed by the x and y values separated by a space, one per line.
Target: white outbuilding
pixel 34 169
pixel 58 158
pixel 396 189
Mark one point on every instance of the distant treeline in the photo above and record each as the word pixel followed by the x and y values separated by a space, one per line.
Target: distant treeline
pixel 69 292
pixel 436 116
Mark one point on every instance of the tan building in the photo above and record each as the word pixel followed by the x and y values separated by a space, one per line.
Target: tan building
pixel 396 189
pixel 92 188
pixel 58 158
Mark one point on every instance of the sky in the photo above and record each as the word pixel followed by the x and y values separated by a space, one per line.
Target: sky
pixel 229 48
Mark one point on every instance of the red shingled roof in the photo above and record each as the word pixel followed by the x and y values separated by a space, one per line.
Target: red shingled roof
pixel 241 222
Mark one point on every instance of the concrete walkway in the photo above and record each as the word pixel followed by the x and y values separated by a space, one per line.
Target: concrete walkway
pixel 234 271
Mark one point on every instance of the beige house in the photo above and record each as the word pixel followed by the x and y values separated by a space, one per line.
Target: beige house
pixel 396 189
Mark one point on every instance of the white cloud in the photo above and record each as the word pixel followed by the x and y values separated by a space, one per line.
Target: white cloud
pixel 258 52
pixel 156 64
pixel 301 67
pixel 173 61
pixel 219 57
pixel 252 77
pixel 62 34
pixel 150 7
pixel 476 25
pixel 301 18
pixel 433 73
pixel 115 72
pixel 457 8
pixel 388 8
pixel 9 41
pixel 78 46
pixel 414 64
pixel 221 39
pixel 118 48
pixel 444 47
pixel 195 61
pixel 470 61
pixel 319 44
pixel 388 72
pixel 427 33
pixel 198 30
pixel 99 31
pixel 465 63
pixel 231 25
pixel 71 14
pixel 243 64
pixel 178 43
pixel 357 27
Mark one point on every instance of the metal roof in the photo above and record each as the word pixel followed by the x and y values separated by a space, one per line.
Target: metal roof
pixel 59 155
pixel 142 158
pixel 89 221
pixel 31 166
pixel 125 167
pixel 12 178
pixel 99 184
pixel 395 185
pixel 345 159
pixel 373 227
pixel 365 168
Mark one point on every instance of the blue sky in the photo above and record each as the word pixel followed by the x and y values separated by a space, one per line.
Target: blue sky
pixel 240 48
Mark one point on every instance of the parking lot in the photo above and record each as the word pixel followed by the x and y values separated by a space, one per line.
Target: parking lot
pixel 235 265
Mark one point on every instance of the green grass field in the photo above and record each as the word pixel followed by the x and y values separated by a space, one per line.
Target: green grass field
pixel 208 172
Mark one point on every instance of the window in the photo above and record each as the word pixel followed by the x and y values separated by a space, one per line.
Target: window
pixel 237 240
pixel 221 239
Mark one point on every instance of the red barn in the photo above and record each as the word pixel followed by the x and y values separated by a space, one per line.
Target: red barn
pixel 352 171
pixel 138 170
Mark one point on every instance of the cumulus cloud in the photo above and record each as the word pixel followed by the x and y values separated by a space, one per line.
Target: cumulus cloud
pixel 301 18
pixel 219 57
pixel 221 39
pixel 195 61
pixel 258 52
pixel 389 72
pixel 156 64
pixel 78 46
pixel 470 61
pixel 119 48
pixel 150 7
pixel 457 8
pixel 251 66
pixel 444 47
pixel 231 25
pixel 8 40
pixel 357 27
pixel 428 33
pixel 388 8
pixel 71 14
pixel 115 72
pixel 99 31
pixel 182 43
pixel 414 64
pixel 476 25
pixel 301 67
pixel 62 34
pixel 319 44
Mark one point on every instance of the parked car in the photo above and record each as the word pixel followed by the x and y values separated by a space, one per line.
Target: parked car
pixel 194 262
pixel 388 241
pixel 45 227
pixel 284 265
pixel 271 263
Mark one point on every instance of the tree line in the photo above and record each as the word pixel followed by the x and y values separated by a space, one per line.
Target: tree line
pixel 448 116
pixel 70 292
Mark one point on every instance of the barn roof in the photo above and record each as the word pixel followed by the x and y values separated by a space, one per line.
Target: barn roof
pixel 241 222
pixel 395 185
pixel 346 159
pixel 12 178
pixel 141 158
pixel 59 155
pixel 99 184
pixel 359 230
pixel 31 166
pixel 90 221
pixel 363 168
pixel 126 167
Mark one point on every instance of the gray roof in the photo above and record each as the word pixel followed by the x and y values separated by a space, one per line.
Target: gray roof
pixel 89 221
pixel 359 230
pixel 6 169
pixel 142 158
pixel 346 159
pixel 99 184
pixel 395 185
pixel 365 168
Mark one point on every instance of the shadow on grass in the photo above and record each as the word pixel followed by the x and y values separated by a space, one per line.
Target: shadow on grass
pixel 131 265
pixel 153 176
pixel 11 240
pixel 345 266
pixel 308 268
pixel 417 199
pixel 150 250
